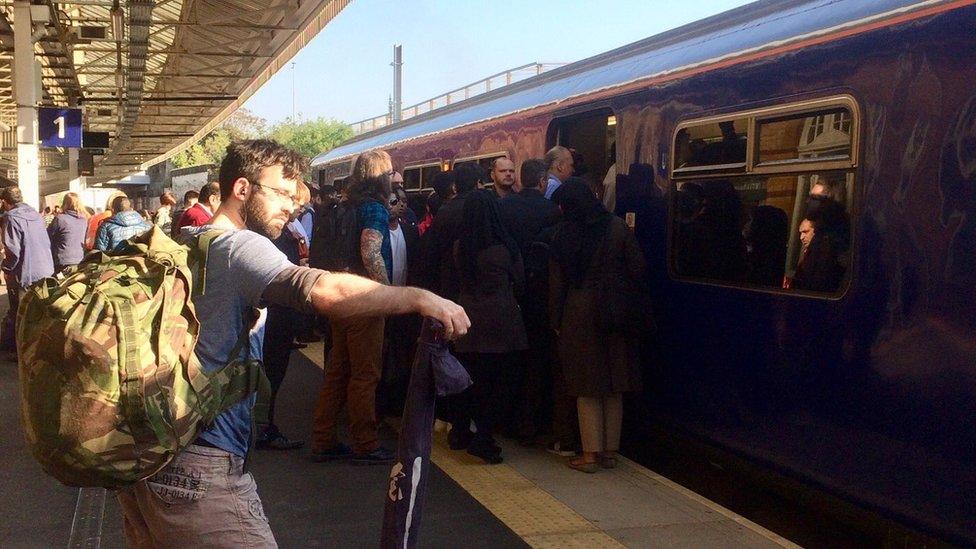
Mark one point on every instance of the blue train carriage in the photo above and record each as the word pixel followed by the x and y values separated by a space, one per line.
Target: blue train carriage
pixel 802 178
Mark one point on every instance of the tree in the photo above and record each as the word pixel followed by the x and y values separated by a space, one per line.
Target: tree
pixel 243 124
pixel 311 137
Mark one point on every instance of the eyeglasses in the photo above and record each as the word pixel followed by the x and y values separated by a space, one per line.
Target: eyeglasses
pixel 394 201
pixel 280 192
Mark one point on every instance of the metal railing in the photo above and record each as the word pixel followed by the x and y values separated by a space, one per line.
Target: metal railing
pixel 484 85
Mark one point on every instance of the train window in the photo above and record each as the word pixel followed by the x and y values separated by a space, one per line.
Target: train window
pixel 713 145
pixel 812 136
pixel 783 222
pixel 427 174
pixel 411 178
pixel 420 176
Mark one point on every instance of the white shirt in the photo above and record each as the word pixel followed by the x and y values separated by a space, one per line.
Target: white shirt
pixel 399 245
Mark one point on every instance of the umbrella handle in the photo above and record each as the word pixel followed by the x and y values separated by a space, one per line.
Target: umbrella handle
pixel 432 332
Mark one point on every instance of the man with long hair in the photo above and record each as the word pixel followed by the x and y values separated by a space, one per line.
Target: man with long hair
pixel 204 497
pixel 354 364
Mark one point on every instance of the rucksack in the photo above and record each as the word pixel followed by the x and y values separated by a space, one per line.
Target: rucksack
pixel 111 388
pixel 335 239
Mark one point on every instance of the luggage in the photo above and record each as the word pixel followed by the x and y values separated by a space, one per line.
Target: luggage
pixel 110 387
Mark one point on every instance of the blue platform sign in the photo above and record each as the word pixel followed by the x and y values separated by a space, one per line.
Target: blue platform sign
pixel 59 127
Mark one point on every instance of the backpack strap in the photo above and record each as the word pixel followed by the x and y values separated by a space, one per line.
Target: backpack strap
pixel 240 377
pixel 198 259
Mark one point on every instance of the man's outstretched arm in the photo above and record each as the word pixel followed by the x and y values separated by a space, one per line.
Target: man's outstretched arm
pixel 342 295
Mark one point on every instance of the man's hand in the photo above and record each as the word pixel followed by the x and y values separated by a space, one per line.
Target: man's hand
pixel 448 313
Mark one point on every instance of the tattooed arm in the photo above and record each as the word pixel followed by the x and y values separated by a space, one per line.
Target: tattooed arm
pixel 370 246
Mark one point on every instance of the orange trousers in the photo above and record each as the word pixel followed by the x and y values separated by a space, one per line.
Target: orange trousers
pixel 352 373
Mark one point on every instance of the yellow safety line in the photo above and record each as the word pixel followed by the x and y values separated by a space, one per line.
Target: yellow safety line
pixel 532 513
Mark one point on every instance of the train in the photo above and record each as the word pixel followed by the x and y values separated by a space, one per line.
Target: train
pixel 863 389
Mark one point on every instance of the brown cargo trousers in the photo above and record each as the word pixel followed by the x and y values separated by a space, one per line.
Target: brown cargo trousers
pixel 352 373
pixel 203 498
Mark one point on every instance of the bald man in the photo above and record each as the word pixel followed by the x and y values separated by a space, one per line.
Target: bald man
pixel 560 164
pixel 503 175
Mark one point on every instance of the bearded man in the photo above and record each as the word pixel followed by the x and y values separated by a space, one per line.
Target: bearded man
pixel 204 496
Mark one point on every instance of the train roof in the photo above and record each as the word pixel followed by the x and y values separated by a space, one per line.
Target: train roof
pixel 746 30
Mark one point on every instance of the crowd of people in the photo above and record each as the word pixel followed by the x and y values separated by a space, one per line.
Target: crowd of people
pixel 524 250
pixel 528 253
pixel 523 253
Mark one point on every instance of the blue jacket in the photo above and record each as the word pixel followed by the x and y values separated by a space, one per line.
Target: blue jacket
pixel 28 258
pixel 119 228
pixel 67 233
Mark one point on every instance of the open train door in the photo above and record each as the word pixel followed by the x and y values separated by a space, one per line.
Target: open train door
pixel 590 132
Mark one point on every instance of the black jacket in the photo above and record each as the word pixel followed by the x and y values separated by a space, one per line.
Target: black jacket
pixel 439 272
pixel 525 214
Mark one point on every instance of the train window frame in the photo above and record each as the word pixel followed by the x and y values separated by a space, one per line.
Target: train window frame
pixel 753 169
pixel 736 168
pixel 477 157
pixel 755 117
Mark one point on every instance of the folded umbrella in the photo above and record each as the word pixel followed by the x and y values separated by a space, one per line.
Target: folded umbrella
pixel 435 373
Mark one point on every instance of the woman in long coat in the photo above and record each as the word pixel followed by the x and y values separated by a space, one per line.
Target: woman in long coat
pixel 490 266
pixel 591 246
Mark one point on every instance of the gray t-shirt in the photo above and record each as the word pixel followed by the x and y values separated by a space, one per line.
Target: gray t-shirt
pixel 240 265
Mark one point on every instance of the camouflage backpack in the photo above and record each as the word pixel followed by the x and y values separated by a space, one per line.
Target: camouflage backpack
pixel 111 389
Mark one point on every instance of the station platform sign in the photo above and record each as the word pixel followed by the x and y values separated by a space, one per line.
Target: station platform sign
pixel 59 127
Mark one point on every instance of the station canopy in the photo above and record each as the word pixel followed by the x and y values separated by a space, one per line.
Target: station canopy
pixel 155 75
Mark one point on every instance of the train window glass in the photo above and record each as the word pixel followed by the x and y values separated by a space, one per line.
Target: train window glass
pixel 411 178
pixel 790 232
pixel 811 136
pixel 713 145
pixel 427 174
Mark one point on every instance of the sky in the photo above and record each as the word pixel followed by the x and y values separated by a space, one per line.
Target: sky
pixel 345 72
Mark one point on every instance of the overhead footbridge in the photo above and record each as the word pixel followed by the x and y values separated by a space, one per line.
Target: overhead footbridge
pixel 149 77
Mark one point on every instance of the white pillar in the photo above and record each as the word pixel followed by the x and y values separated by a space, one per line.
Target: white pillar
pixel 25 91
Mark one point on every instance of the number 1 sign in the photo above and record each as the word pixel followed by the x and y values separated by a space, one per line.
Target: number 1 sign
pixel 59 127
